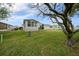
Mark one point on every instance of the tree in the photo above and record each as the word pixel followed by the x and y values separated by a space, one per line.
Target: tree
pixel 4 10
pixel 64 11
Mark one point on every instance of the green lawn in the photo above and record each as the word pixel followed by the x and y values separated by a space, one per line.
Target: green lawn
pixel 40 43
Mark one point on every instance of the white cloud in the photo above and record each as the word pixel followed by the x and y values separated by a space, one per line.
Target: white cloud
pixel 17 7
pixel 21 7
pixel 21 17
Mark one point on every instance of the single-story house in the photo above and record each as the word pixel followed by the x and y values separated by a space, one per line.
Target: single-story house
pixel 5 27
pixel 31 25
pixel 34 25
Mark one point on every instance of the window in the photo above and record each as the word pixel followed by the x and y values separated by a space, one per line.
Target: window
pixel 29 23
pixel 32 24
pixel 35 24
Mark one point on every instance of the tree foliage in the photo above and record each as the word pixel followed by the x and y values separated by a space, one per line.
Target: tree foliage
pixel 4 10
pixel 4 13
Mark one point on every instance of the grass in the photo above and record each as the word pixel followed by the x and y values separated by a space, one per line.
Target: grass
pixel 41 43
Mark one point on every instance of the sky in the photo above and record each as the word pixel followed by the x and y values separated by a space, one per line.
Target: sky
pixel 21 11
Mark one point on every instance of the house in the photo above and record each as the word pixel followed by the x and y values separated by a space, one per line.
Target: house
pixel 56 26
pixel 31 25
pixel 52 27
pixel 5 27
pixel 47 27
pixel 76 27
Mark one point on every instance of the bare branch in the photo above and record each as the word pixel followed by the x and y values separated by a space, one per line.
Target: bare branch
pixel 51 9
pixel 68 7
pixel 61 25
pixel 44 13
pixel 55 6
pixel 52 20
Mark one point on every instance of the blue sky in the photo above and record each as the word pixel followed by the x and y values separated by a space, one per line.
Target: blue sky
pixel 22 11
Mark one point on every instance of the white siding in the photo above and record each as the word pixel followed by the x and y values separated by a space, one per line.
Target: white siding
pixel 31 28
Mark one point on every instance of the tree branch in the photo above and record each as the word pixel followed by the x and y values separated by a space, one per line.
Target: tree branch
pixel 52 20
pixel 44 13
pixel 51 9
pixel 61 25
pixel 68 7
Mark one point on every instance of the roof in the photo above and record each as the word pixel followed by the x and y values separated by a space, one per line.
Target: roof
pixel 5 23
pixel 31 20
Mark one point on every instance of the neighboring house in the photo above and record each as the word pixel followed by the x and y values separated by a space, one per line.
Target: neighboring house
pixel 5 27
pixel 31 25
pixel 77 27
pixel 47 27
pixel 53 26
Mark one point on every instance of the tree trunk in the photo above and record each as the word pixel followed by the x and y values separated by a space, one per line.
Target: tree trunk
pixel 70 41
